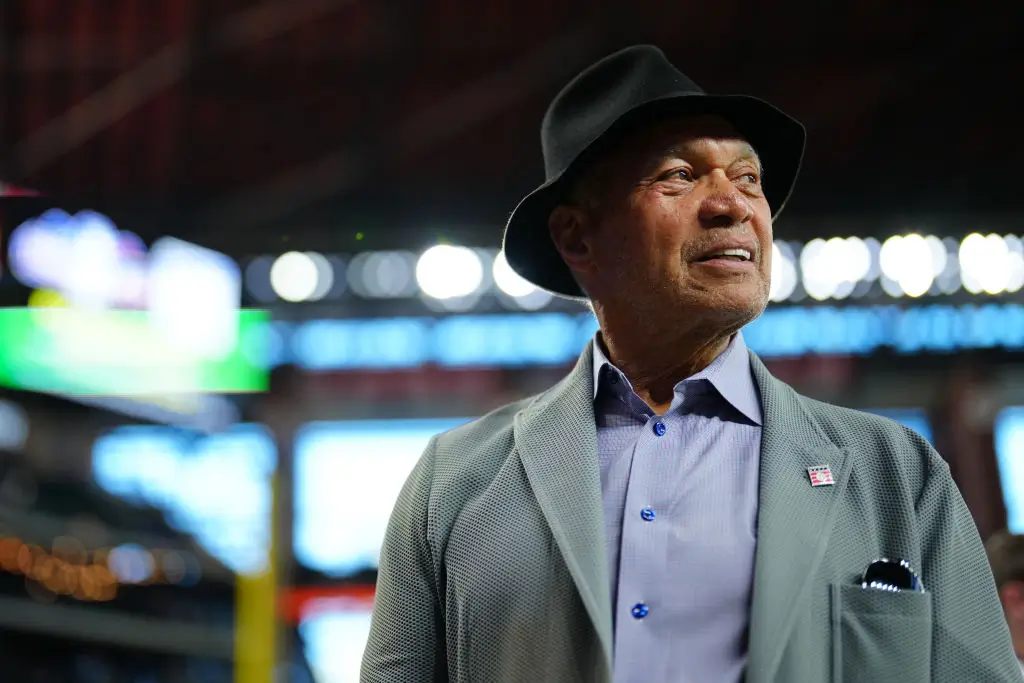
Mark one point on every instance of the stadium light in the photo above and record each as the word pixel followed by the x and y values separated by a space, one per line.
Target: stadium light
pixel 295 276
pixel 907 260
pixel 985 264
pixel 447 272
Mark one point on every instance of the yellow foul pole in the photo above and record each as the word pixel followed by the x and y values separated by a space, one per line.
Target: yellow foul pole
pixel 256 614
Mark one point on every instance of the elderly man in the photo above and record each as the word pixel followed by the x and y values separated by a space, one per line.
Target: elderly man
pixel 1006 555
pixel 670 511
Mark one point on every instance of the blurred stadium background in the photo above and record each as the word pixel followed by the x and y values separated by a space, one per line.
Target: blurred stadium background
pixel 250 264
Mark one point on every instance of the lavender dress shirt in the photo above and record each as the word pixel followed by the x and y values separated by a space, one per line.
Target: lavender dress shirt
pixel 680 495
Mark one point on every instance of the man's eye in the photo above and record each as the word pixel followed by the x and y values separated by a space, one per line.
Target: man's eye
pixel 752 177
pixel 682 174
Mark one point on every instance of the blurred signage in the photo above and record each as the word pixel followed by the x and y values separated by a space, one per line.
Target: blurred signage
pixel 110 318
pixel 216 487
pixel 1009 442
pixel 335 631
pixel 202 412
pixel 121 353
pixel 554 339
pixel 347 478
pixel 93 264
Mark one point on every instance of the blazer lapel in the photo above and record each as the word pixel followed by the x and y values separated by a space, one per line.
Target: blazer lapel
pixel 557 441
pixel 794 519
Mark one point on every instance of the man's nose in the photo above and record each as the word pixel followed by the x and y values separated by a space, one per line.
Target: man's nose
pixel 724 205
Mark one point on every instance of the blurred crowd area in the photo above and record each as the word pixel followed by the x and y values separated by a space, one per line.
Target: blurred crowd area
pixel 250 264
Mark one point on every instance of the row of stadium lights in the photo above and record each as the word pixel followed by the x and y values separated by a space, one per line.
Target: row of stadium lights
pixel 455 277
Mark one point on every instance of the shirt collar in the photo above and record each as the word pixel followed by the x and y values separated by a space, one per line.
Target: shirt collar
pixel 729 374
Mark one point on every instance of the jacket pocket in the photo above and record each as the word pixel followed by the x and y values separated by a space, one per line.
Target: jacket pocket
pixel 879 636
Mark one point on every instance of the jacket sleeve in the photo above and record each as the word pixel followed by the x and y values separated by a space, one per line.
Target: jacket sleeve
pixel 406 643
pixel 970 638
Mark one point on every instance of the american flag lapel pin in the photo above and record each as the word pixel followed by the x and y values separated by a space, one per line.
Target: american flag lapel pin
pixel 820 475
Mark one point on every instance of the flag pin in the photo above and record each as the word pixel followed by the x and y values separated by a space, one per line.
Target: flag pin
pixel 820 475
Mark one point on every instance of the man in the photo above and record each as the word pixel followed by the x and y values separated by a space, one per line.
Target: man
pixel 670 511
pixel 1006 555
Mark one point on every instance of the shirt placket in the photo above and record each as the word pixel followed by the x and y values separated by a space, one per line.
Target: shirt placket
pixel 641 561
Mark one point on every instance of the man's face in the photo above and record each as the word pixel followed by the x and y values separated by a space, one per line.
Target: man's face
pixel 680 225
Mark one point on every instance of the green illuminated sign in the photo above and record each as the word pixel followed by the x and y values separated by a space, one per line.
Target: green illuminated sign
pixel 126 353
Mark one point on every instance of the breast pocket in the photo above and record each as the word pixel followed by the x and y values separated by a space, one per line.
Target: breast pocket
pixel 880 636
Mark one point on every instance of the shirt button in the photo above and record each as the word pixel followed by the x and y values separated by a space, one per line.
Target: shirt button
pixel 647 514
pixel 660 428
pixel 639 610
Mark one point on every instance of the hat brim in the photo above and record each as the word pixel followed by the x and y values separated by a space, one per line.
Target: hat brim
pixel 778 138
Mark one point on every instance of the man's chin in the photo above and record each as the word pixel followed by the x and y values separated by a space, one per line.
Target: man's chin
pixel 732 312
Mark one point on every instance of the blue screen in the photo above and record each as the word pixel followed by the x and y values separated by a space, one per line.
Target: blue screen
pixel 1009 443
pixel 335 635
pixel 216 488
pixel 347 478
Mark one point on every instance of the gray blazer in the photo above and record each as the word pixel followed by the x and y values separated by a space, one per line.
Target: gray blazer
pixel 494 568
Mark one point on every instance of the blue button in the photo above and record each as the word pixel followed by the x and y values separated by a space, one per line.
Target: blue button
pixel 660 428
pixel 639 610
pixel 647 514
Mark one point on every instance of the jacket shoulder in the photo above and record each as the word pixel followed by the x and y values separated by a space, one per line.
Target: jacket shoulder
pixel 489 433
pixel 469 456
pixel 875 439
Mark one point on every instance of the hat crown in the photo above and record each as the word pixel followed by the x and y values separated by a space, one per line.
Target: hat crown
pixel 601 95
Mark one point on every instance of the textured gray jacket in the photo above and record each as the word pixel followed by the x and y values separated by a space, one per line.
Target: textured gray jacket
pixel 494 567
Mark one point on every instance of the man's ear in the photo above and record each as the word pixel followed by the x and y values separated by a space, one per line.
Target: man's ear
pixel 569 227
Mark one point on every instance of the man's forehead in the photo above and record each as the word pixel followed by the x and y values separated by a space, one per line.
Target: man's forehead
pixel 686 135
pixel 736 146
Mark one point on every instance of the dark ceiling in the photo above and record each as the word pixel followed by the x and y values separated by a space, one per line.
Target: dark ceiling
pixel 314 119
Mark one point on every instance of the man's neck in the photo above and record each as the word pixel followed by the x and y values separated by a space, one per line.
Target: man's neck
pixel 655 363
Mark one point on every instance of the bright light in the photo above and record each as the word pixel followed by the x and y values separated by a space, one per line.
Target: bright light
pixel 949 279
pixel 324 276
pixel 194 295
pixel 909 262
pixel 295 276
pixel 833 268
pixel 508 280
pixel 91 277
pixel 817 281
pixel 985 264
pixel 784 276
pixel 523 293
pixel 446 272
pixel 383 274
pixel 857 265
pixel 131 563
pixel 335 641
pixel 940 255
pixel 874 248
pixel 1016 247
